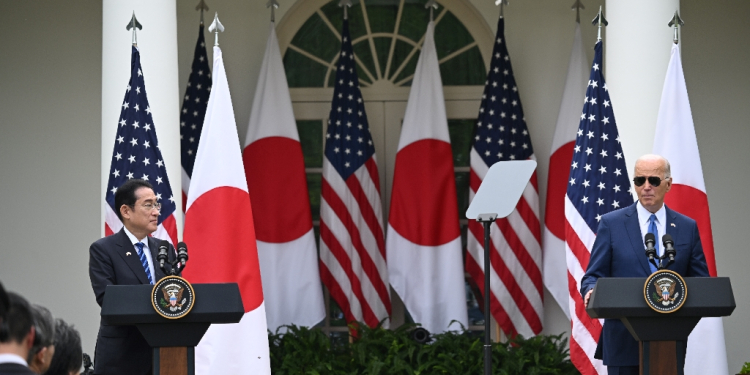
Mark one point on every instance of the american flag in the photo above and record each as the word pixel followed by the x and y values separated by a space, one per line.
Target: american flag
pixel 193 111
pixel 352 248
pixel 136 155
pixel 598 183
pixel 515 256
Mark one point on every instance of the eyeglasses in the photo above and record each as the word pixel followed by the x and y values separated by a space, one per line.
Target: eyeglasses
pixel 653 180
pixel 151 206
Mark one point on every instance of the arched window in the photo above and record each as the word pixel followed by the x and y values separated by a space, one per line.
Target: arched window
pixel 387 36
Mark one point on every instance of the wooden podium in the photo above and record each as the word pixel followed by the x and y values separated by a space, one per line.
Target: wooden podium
pixel 658 333
pixel 173 340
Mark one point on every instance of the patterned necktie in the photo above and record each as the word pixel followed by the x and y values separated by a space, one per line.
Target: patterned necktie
pixel 652 229
pixel 144 261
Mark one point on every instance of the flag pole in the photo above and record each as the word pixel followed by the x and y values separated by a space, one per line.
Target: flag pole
pixel 487 220
pixel 431 5
pixel 599 20
pixel 273 4
pixel 215 27
pixel 201 6
pixel 677 23
pixel 577 6
pixel 501 3
pixel 345 4
pixel 134 24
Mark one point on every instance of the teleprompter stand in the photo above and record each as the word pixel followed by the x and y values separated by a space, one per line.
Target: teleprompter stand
pixel 497 197
pixel 173 340
pixel 659 333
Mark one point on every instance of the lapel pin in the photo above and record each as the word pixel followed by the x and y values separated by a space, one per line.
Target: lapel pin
pixel 674 225
pixel 127 254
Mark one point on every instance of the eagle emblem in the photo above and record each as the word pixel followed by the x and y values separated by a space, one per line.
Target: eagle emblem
pixel 665 291
pixel 173 294
pixel 667 287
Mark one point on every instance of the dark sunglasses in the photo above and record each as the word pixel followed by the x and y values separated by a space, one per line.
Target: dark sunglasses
pixel 653 180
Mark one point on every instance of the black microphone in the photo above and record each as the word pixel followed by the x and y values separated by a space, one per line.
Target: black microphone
pixel 182 254
pixel 669 247
pixel 162 257
pixel 650 240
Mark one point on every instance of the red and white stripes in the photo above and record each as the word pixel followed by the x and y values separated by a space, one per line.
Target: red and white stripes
pixel 352 250
pixel 515 259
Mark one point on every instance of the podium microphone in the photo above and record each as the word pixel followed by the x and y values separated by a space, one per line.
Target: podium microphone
pixel 650 240
pixel 669 247
pixel 182 255
pixel 162 257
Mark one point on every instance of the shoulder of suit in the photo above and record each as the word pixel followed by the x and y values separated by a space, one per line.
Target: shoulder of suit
pixel 618 214
pixel 109 240
pixel 680 218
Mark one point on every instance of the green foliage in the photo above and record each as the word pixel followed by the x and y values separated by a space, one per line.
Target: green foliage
pixel 381 351
pixel 745 368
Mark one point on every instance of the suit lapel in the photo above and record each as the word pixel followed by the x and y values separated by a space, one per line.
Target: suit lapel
pixel 128 253
pixel 636 240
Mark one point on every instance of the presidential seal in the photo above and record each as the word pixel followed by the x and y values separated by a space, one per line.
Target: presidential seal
pixel 173 297
pixel 665 291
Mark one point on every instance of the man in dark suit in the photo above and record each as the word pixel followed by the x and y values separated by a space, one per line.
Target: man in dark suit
pixel 619 252
pixel 16 336
pixel 125 258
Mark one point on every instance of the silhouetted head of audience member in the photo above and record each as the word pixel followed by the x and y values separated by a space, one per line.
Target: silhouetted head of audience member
pixel 17 330
pixel 43 349
pixel 68 357
pixel 3 304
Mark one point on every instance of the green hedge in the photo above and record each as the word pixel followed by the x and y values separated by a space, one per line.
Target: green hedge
pixel 381 351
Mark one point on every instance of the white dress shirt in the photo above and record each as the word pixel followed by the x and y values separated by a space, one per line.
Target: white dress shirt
pixel 661 224
pixel 146 250
pixel 12 358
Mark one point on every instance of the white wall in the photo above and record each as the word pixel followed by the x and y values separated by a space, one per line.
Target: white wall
pixel 50 128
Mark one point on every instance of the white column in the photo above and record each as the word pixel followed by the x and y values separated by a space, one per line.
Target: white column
pixel 637 46
pixel 157 43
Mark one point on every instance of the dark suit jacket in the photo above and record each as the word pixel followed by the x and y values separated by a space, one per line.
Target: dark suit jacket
pixel 14 369
pixel 121 349
pixel 619 252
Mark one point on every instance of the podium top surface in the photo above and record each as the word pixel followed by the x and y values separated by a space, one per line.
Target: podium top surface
pixel 131 304
pixel 501 188
pixel 620 297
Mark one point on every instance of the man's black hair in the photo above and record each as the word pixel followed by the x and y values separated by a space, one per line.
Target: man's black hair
pixel 4 303
pixel 19 320
pixel 125 194
pixel 68 355
pixel 44 329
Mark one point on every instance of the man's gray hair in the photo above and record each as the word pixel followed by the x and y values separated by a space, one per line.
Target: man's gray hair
pixel 44 325
pixel 667 166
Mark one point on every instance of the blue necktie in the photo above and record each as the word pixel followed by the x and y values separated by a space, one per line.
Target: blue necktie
pixel 652 229
pixel 144 261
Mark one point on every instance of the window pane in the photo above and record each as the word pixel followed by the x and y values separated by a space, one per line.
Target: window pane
pixel 313 189
pixel 382 15
pixel 301 71
pixel 311 138
pixel 317 38
pixel 464 69
pixel 460 132
pixel 450 35
pixel 336 314
pixel 400 53
pixel 335 15
pixel 383 47
pixel 462 190
pixel 363 52
pixel 414 20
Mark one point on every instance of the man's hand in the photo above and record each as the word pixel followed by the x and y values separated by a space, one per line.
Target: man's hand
pixel 586 298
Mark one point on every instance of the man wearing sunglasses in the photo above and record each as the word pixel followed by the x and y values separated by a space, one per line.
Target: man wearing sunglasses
pixel 618 251
pixel 127 257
